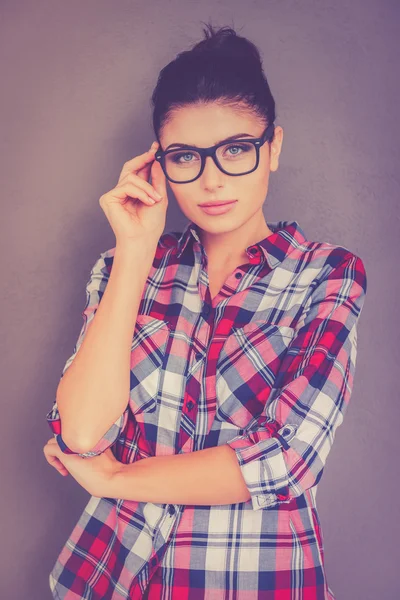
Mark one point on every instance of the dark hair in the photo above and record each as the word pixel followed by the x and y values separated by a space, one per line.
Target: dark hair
pixel 223 67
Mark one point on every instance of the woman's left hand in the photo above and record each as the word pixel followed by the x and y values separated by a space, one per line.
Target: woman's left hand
pixel 95 473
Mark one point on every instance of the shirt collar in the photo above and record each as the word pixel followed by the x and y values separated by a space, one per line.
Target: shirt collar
pixel 286 236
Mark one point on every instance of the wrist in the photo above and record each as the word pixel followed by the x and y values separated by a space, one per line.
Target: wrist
pixel 136 252
pixel 139 245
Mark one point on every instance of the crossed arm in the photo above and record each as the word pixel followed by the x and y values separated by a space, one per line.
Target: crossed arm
pixel 286 453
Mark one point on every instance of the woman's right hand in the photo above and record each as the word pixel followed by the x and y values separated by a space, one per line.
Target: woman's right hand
pixel 128 207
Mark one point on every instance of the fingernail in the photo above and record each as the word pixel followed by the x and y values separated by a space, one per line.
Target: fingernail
pixel 157 195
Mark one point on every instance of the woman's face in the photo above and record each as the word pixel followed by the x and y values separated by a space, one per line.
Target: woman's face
pixel 206 125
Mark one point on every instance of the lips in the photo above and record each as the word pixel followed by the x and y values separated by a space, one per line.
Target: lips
pixel 218 209
pixel 217 203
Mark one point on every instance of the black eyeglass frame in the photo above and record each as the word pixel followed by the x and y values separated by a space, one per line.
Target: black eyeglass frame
pixel 268 134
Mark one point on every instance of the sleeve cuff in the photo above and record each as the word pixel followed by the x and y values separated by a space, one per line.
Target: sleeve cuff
pixel 263 466
pixel 108 439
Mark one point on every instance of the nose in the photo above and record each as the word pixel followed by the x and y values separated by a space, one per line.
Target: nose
pixel 212 175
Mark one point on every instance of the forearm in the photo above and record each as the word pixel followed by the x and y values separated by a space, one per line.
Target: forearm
pixel 206 477
pixel 94 390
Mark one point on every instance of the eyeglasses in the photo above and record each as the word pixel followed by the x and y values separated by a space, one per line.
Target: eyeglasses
pixel 237 157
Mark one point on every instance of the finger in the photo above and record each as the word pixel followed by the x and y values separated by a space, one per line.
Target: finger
pixel 57 464
pixel 129 190
pixel 60 467
pixel 158 179
pixel 138 162
pixel 141 183
pixel 50 450
pixel 144 172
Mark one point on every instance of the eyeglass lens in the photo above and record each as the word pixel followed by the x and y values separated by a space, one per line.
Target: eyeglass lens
pixel 185 164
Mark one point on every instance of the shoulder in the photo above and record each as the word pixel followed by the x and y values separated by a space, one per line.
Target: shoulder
pixel 334 261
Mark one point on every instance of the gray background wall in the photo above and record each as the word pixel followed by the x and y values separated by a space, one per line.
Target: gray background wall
pixel 76 81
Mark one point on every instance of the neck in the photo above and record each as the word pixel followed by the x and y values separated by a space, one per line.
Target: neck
pixel 229 248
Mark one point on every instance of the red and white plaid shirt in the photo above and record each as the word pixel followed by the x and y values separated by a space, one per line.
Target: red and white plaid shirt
pixel 267 366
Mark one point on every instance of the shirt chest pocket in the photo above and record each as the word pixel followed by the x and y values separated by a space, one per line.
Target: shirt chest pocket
pixel 148 352
pixel 247 367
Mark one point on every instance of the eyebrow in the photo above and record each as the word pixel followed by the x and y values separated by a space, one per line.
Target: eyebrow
pixel 232 137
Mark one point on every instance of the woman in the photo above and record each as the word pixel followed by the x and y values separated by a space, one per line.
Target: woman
pixel 223 356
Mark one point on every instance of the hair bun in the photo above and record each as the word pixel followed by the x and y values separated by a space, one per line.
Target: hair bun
pixel 223 67
pixel 226 44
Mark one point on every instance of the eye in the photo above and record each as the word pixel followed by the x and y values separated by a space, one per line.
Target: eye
pixel 236 146
pixel 240 149
pixel 176 157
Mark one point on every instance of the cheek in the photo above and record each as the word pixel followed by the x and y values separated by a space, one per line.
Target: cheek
pixel 186 195
pixel 263 174
pixel 256 185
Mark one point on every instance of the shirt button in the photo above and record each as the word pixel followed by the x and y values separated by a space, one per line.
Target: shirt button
pixel 282 496
pixel 190 405
pixel 286 431
pixel 238 275
pixel 198 355
pixel 153 561
pixel 171 509
pixel 253 250
pixel 206 310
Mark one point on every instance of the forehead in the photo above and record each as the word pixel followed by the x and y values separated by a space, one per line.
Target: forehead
pixel 207 124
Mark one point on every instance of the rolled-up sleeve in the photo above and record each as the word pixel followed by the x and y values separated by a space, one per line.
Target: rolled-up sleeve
pixel 284 454
pixel 95 288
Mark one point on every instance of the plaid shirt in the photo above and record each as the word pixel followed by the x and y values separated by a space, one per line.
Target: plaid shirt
pixel 267 366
